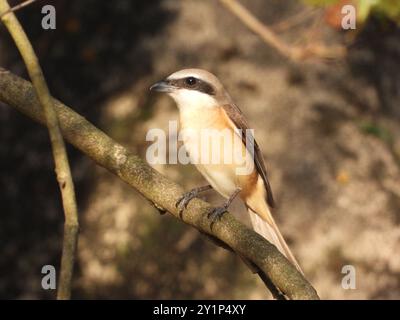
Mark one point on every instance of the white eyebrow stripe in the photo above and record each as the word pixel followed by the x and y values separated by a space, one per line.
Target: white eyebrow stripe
pixel 182 76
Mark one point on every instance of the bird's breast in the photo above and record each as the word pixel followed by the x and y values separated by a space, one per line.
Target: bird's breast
pixel 216 150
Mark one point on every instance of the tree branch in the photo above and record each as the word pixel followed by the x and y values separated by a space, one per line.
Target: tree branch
pixel 293 53
pixel 63 171
pixel 17 7
pixel 272 265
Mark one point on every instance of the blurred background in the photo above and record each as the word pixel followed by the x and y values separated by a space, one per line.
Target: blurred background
pixel 328 129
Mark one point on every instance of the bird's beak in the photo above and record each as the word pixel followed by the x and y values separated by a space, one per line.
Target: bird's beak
pixel 162 86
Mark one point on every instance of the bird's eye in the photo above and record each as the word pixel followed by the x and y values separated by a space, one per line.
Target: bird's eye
pixel 190 81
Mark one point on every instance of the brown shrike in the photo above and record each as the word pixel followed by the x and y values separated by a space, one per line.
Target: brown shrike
pixel 204 105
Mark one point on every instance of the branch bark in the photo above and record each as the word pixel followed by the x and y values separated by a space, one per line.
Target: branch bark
pixel 63 171
pixel 162 192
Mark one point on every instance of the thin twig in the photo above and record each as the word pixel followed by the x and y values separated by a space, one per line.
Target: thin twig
pixel 130 168
pixel 17 7
pixel 291 52
pixel 293 20
pixel 62 167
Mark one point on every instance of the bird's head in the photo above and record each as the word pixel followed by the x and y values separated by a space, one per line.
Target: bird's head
pixel 193 88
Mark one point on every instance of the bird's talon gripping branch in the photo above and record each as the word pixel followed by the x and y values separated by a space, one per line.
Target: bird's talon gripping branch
pixel 216 213
pixel 183 201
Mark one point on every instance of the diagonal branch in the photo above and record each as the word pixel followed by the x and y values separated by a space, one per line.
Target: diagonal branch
pixel 293 53
pixel 62 168
pixel 17 7
pixel 164 193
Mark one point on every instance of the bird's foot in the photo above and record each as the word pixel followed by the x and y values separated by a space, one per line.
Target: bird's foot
pixel 183 201
pixel 216 213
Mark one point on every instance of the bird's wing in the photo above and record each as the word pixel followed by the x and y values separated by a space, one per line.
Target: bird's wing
pixel 237 117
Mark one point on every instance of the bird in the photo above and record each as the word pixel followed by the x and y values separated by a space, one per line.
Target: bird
pixel 204 105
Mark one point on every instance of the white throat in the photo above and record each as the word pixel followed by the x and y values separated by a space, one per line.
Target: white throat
pixel 191 100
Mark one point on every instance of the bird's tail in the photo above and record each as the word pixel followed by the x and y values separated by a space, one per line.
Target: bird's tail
pixel 269 230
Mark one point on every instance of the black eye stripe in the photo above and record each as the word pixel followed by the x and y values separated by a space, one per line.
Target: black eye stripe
pixel 199 85
pixel 206 88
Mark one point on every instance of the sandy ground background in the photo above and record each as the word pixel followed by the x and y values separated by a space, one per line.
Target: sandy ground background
pixel 329 134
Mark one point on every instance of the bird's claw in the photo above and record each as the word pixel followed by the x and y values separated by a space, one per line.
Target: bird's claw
pixel 183 201
pixel 216 213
